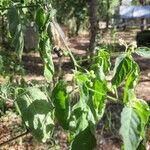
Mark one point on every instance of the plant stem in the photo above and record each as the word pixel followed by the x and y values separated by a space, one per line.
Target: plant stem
pixel 108 96
pixel 64 42
pixel 87 59
pixel 19 7
pixel 14 138
pixel 5 98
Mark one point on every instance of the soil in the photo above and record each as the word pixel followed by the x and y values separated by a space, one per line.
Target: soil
pixel 107 135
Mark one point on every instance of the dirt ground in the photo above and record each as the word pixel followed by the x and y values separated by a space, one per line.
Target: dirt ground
pixel 108 137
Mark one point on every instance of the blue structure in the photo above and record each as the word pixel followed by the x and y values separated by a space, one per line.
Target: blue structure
pixel 127 12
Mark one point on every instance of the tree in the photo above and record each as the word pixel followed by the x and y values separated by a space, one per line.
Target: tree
pixel 93 24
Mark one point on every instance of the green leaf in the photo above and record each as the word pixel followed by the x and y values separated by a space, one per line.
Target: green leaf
pixel 36 112
pixel 104 59
pixel 45 53
pixel 143 111
pixel 102 64
pixel 141 146
pixel 82 81
pixel 143 51
pixel 40 18
pixel 18 41
pixel 48 72
pixel 60 99
pixel 14 20
pixel 16 30
pixel 5 87
pixel 52 13
pixel 78 120
pixel 85 140
pixel 131 81
pixel 97 101
pixel 123 66
pixel 99 95
pixel 130 128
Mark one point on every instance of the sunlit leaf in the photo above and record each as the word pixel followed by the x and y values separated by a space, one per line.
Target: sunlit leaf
pixel 143 51
pixel 97 102
pixel 123 66
pixel 36 112
pixel 104 59
pixel 143 111
pixel 102 64
pixel 130 128
pixel 131 81
pixel 78 120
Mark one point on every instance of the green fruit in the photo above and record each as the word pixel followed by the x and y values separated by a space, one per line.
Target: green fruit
pixel 61 102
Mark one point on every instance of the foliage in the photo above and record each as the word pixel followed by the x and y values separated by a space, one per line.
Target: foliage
pixel 76 13
pixel 60 99
pixel 41 108
pixel 36 112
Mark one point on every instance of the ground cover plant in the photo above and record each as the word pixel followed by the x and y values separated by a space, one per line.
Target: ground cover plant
pixel 43 106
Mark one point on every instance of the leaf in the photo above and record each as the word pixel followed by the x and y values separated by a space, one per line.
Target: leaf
pixel 14 20
pixel 131 81
pixel 36 112
pixel 130 128
pixel 5 87
pixel 123 66
pixel 40 18
pixel 18 41
pixel 16 31
pixel 143 51
pixel 99 95
pixel 102 64
pixel 141 146
pixel 48 72
pixel 82 80
pixel 78 118
pixel 98 103
pixel 45 53
pixel 143 111
pixel 60 99
pixel 52 13
pixel 104 59
pixel 85 140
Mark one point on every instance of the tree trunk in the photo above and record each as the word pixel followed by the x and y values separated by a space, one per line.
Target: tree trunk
pixel 78 24
pixel 93 25
pixel 107 16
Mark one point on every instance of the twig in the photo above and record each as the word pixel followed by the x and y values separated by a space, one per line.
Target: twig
pixel 18 7
pixel 14 138
pixel 5 98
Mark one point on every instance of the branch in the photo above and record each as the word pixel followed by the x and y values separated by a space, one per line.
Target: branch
pixel 5 98
pixel 14 138
pixel 18 7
